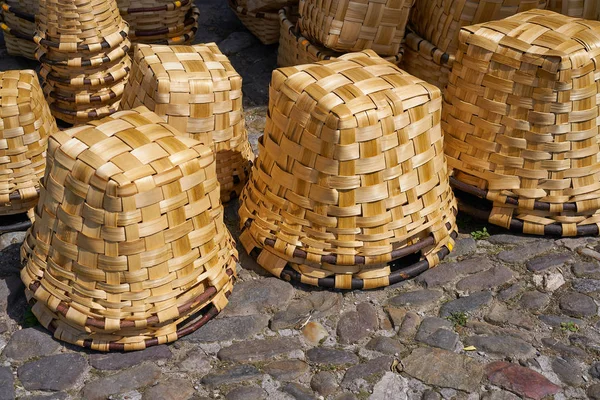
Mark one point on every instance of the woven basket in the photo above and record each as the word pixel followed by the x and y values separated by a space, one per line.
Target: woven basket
pixel 295 49
pixel 439 21
pixel 265 26
pixel 588 9
pixel 19 28
pixel 147 15
pixel 129 248
pixel 354 25
pixel 520 122
pixel 26 124
pixel 173 35
pixel 197 91
pixel 350 187
pixel 425 61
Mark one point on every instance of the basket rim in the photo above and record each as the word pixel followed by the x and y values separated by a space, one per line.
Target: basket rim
pixel 244 11
pixel 18 13
pixel 165 7
pixel 416 45
pixel 194 14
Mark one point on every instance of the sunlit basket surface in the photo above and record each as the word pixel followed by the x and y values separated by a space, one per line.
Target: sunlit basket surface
pixel 128 249
pixel 350 187
pixel 520 121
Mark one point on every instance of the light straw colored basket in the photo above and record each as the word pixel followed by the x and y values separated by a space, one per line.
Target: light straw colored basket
pixel 198 92
pixel 129 248
pixel 145 15
pixel 265 26
pixel 350 188
pixel 425 61
pixel 520 121
pixel 26 124
pixel 295 49
pixel 19 28
pixel 438 21
pixel 174 35
pixel 588 9
pixel 354 25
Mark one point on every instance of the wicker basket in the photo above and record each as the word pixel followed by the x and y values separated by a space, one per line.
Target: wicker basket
pixel 265 26
pixel 26 124
pixel 19 28
pixel 354 25
pixel 129 248
pixel 520 122
pixel 184 33
pixel 425 61
pixel 439 21
pixel 350 188
pixel 295 49
pixel 148 15
pixel 588 9
pixel 197 91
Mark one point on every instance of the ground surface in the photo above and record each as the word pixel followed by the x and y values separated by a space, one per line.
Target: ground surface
pixel 504 317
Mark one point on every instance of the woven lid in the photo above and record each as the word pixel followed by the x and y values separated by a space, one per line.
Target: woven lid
pixel 25 124
pixel 129 239
pixel 350 174
pixel 521 120
pixel 198 92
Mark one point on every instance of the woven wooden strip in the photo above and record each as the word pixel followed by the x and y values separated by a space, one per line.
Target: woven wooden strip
pixel 19 27
pixel 183 33
pixel 129 240
pixel 354 25
pixel 199 93
pixel 263 25
pixel 350 172
pixel 520 118
pixel 588 9
pixel 25 124
pixel 439 21
pixel 425 61
pixel 153 14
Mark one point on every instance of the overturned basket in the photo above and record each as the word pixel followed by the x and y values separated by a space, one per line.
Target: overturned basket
pixel 350 189
pixel 520 123
pixel 129 248
pixel 295 49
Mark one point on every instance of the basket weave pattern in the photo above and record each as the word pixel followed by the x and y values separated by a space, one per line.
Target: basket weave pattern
pixel 129 240
pixel 425 61
pixel 19 27
pixel 520 119
pixel 263 25
pixel 199 93
pixel 588 9
pixel 25 124
pixel 350 170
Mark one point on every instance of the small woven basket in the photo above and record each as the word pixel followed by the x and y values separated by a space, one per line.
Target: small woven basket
pixel 354 25
pixel 520 122
pixel 439 21
pixel 588 9
pixel 425 61
pixel 128 249
pixel 26 123
pixel 199 93
pixel 19 28
pixel 350 188
pixel 265 26
pixel 295 49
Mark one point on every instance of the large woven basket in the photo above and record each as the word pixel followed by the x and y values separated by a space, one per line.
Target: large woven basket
pixel 263 25
pixel 19 27
pixel 128 249
pixel 198 92
pixel 295 49
pixel 350 188
pixel 425 61
pixel 354 25
pixel 588 9
pixel 439 21
pixel 520 120
pixel 26 123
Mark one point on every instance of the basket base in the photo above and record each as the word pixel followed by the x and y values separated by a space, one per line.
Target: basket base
pixel 472 201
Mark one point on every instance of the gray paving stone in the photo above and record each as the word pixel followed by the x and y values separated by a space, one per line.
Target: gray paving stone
pixel 499 395
pixel 563 349
pixel 195 362
pixel 466 304
pixel 593 392
pixel 442 338
pixel 385 345
pixel 577 305
pixel 346 396
pixel 7 388
pixel 587 269
pixel 390 386
pixel 417 298
pixel 396 315
pixel 115 361
pixel 255 297
pixel 438 276
pixel 473 265
pixel 409 326
pixel 286 370
pixel 510 292
pixel 298 391
pixel 505 346
pixel 463 247
pixel 53 396
pixel 508 239
pixel 30 342
pixel 173 389
pixel 356 325
pixel 548 261
pixel 236 374
pixel 57 372
pixel 431 395
pixel 525 252
pixel 556 320
pixel 121 382
pixel 316 305
pixel 491 278
pixel 326 356
pixel 444 368
pixel 258 350
pixel 368 371
pixel 429 325
pixel 324 383
pixel 232 328
pixel 247 393
pixel 568 371
pixel 534 300
pixel 499 314
pixel 594 370
pixel 586 285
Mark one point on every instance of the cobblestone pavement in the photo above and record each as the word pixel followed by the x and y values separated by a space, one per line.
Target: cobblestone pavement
pixel 504 317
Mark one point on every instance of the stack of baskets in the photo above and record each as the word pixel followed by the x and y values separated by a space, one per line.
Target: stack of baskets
pixel 19 27
pixel 83 51
pixel 588 9
pixel 160 21
pixel 433 31
pixel 327 30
